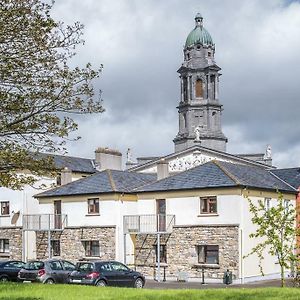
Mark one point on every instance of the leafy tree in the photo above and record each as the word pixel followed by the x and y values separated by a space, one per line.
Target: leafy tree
pixel 39 91
pixel 276 231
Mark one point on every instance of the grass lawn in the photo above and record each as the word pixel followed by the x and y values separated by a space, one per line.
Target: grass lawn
pixel 68 292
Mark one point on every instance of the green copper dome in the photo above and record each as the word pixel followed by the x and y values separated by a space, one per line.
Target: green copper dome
pixel 199 34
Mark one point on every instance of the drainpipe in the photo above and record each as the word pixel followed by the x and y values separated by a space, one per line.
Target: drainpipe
pixel 158 257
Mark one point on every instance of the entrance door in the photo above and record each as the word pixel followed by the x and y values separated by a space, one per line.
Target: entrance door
pixel 161 214
pixel 57 215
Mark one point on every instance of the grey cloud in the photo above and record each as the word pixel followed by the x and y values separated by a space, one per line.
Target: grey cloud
pixel 140 43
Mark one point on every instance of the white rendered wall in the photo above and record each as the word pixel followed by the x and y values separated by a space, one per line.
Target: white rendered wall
pixel 250 264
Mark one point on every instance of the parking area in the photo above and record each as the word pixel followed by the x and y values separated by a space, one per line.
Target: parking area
pixel 152 284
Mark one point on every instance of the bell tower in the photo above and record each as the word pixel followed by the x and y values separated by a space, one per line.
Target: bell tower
pixel 199 108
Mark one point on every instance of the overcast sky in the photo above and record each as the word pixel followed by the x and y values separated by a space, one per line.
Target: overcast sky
pixel 140 44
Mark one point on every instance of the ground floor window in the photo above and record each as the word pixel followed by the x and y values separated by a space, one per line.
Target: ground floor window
pixel 4 245
pixel 55 248
pixel 91 248
pixel 162 253
pixel 208 254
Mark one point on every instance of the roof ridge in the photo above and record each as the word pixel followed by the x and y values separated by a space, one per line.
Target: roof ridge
pixel 223 168
pixel 282 180
pixel 111 180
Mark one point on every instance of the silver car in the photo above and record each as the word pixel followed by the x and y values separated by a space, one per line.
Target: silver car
pixel 47 271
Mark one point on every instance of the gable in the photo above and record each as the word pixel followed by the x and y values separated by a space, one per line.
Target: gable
pixel 193 157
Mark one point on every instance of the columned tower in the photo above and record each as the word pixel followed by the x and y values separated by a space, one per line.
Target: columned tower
pixel 199 107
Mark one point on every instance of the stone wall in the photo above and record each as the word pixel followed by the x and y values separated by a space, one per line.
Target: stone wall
pixel 14 235
pixel 182 251
pixel 71 245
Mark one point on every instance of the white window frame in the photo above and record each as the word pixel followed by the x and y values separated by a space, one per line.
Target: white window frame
pixel 3 249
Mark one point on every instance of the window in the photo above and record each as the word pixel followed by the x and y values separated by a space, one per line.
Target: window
pixel 55 265
pixel 85 267
pixel 14 265
pixel 4 245
pixel 208 205
pixel 286 205
pixel 91 248
pixel 208 254
pixel 55 248
pixel 5 208
pixel 58 179
pixel 162 253
pixel 267 203
pixel 93 206
pixel 68 266
pixel 185 89
pixel 209 54
pixel 199 88
pixel 116 266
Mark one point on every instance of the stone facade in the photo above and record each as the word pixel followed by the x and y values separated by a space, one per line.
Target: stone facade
pixel 14 235
pixel 181 248
pixel 71 242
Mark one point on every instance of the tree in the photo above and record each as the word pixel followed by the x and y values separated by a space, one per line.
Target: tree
pixel 39 91
pixel 277 232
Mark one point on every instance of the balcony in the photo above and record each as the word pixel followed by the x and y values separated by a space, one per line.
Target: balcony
pixel 148 224
pixel 44 222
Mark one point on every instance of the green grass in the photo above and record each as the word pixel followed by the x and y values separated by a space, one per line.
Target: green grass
pixel 68 292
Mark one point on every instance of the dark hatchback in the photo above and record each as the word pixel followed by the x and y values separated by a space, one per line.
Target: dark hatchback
pixel 47 271
pixel 9 270
pixel 103 273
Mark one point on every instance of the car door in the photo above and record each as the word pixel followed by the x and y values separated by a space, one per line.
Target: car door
pixel 12 268
pixel 68 268
pixel 122 275
pixel 56 271
pixel 108 273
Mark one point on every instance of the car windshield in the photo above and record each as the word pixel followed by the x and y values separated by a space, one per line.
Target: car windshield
pixel 85 267
pixel 34 265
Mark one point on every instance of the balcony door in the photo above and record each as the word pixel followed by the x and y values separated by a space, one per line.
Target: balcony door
pixel 57 215
pixel 161 214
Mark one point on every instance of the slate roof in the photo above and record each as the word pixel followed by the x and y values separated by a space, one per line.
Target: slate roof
pixel 219 174
pixel 75 164
pixel 290 175
pixel 107 181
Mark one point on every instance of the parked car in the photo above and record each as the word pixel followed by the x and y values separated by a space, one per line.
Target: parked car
pixel 47 271
pixel 102 273
pixel 9 270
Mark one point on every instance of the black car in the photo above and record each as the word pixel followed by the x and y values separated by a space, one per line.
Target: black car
pixel 102 273
pixel 47 271
pixel 9 270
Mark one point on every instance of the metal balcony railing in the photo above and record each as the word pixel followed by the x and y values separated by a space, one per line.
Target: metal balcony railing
pixel 44 222
pixel 149 223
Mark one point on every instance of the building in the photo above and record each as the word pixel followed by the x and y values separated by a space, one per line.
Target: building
pixel 183 214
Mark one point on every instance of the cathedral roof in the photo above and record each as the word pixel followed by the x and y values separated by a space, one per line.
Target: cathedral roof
pixel 199 34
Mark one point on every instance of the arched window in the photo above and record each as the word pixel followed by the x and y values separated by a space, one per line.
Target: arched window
pixel 199 88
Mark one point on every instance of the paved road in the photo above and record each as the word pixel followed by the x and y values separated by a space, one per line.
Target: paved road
pixel 151 284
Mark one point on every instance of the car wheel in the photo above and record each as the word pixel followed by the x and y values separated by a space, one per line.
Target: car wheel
pixel 139 283
pixel 101 283
pixel 49 281
pixel 4 279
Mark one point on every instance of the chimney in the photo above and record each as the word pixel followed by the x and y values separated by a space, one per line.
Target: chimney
pixel 66 176
pixel 108 159
pixel 162 169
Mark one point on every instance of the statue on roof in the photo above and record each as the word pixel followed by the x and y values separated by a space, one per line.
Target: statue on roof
pixel 268 154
